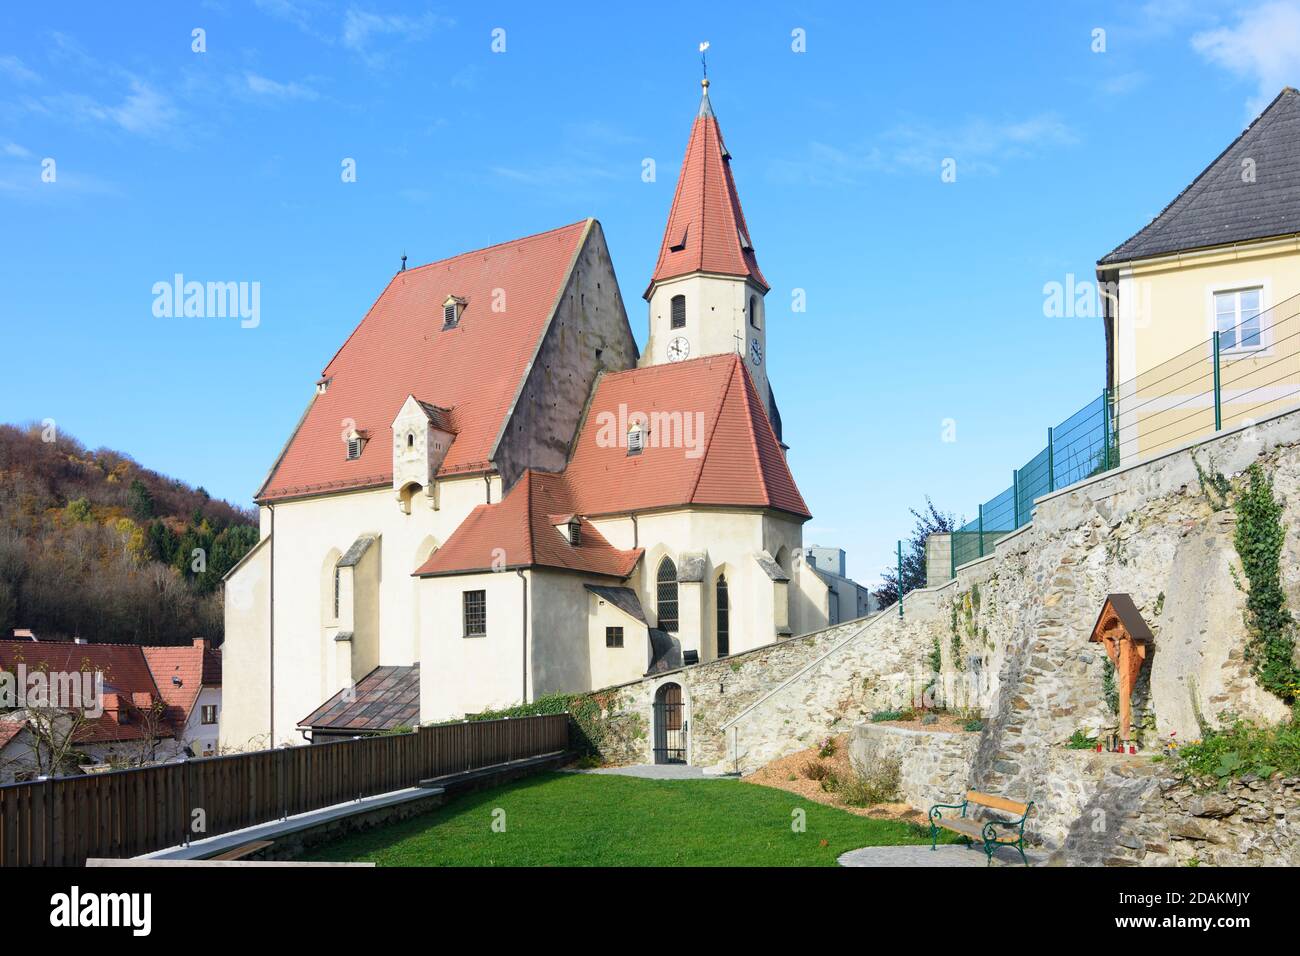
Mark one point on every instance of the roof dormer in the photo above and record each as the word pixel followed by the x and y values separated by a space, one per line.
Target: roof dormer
pixel 452 309
pixel 570 526
pixel 355 440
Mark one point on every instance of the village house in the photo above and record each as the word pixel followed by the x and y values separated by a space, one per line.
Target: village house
pixel 158 704
pixel 1221 260
pixel 493 495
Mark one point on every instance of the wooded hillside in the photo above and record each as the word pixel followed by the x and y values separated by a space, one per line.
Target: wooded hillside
pixel 93 545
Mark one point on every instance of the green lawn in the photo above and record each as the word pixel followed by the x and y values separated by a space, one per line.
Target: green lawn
pixel 562 819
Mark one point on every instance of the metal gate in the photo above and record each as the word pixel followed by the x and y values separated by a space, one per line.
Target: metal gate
pixel 670 725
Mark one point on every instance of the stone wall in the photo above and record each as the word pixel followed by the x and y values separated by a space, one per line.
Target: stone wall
pixel 934 765
pixel 1138 813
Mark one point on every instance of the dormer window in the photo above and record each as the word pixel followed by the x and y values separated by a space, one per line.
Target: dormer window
pixel 635 439
pixel 575 532
pixel 451 311
pixel 356 445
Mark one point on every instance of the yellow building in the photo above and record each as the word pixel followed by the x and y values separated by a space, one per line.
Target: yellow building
pixel 1223 257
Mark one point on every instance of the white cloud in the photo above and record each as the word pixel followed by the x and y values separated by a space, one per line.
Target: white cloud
pixel 361 28
pixel 1263 47
pixel 13 149
pixel 16 69
pixel 978 145
pixel 262 86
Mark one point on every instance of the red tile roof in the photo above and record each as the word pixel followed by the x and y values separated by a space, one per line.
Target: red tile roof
pixel 723 453
pixel 519 531
pixel 400 348
pixel 127 678
pixel 706 229
pixel 9 729
pixel 736 461
pixel 196 666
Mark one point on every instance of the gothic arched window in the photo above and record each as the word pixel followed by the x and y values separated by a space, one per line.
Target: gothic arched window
pixel 666 595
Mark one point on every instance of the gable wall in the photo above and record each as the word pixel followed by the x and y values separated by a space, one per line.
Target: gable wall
pixel 590 316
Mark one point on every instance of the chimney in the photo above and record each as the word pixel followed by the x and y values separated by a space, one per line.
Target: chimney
pixel 201 642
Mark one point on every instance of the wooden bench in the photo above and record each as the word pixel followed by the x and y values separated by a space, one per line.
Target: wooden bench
pixel 247 849
pixel 991 831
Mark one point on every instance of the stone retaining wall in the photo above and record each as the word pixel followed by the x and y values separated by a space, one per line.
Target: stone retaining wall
pixel 934 765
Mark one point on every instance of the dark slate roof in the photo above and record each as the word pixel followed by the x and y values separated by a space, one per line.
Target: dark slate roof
pixel 665 652
pixel 1122 606
pixel 770 567
pixel 1219 208
pixel 386 698
pixel 355 553
pixel 624 599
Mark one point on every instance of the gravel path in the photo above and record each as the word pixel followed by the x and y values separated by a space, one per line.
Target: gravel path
pixel 951 854
pixel 660 771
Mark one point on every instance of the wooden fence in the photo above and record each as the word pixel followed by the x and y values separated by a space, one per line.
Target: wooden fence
pixel 124 813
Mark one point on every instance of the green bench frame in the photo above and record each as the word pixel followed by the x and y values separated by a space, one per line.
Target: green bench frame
pixel 989 834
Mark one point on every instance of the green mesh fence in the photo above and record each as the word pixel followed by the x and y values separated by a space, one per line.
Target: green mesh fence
pixel 1247 372
pixel 1080 446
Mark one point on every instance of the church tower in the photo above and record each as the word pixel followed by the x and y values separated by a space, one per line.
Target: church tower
pixel 706 294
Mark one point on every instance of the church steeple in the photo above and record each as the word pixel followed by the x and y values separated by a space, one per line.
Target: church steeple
pixel 706 292
pixel 706 229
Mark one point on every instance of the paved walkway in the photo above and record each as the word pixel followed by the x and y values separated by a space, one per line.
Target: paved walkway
pixel 659 771
pixel 951 854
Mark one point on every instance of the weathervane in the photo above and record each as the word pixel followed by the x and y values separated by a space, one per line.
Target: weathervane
pixel 704 63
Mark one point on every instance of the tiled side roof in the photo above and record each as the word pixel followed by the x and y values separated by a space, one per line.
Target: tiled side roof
pixel 1222 205
pixel 386 698
pixel 518 532
pixel 706 229
pixel 714 445
pixel 400 349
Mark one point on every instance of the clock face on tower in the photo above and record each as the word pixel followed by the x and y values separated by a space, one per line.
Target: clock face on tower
pixel 755 352
pixel 678 348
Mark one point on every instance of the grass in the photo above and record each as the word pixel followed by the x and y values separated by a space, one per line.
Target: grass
pixel 563 819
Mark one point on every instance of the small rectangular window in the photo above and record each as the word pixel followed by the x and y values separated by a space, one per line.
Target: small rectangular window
pixel 355 444
pixel 575 533
pixel 1237 319
pixel 475 606
pixel 635 441
pixel 209 715
pixel 613 637
pixel 679 312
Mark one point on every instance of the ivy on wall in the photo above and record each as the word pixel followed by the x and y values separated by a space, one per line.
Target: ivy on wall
pixel 1259 537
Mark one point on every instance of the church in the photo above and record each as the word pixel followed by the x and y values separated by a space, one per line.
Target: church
pixel 493 495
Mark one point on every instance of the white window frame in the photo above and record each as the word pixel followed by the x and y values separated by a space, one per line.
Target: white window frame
pixel 1265 346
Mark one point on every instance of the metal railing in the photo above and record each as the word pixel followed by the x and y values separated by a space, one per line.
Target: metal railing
pixel 1244 372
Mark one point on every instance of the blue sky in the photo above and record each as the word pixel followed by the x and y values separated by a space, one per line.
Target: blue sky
pixel 925 297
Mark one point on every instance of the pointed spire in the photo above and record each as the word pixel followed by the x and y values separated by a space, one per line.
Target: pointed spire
pixel 706 229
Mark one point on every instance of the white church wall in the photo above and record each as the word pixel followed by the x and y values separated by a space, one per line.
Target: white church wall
pixel 615 665
pixel 307 533
pixel 459 674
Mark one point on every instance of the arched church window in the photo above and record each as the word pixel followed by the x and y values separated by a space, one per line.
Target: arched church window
pixel 753 311
pixel 666 595
pixel 723 602
pixel 679 312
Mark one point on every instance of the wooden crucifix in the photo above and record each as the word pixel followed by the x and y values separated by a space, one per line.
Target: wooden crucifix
pixel 1126 637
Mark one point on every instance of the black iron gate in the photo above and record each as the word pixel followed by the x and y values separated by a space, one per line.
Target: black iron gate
pixel 670 725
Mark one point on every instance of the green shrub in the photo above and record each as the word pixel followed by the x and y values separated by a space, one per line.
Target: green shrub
pixel 1081 741
pixel 1244 747
pixel 973 726
pixel 827 748
pixel 882 715
pixel 880 785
